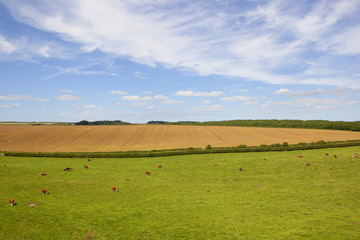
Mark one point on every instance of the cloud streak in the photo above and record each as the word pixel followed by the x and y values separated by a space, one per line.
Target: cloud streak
pixel 258 42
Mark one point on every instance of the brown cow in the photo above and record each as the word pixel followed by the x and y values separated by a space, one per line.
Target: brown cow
pixel 89 160
pixel 86 166
pixel 148 173
pixel 42 174
pixel 68 169
pixel 240 169
pixel 11 201
pixel 44 191
pixel 159 166
pixel 335 156
pixel 114 189
pixel 216 165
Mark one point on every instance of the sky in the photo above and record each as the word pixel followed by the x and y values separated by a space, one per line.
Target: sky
pixel 179 60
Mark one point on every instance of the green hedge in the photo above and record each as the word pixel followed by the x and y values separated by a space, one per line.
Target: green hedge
pixel 172 152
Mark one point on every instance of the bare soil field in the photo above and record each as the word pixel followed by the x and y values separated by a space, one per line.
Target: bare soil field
pixel 147 137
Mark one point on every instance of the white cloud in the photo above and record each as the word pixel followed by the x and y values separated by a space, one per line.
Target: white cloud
pixel 308 93
pixel 97 108
pixel 190 93
pixel 161 97
pixel 282 91
pixel 6 46
pixel 10 105
pixel 139 103
pixel 206 102
pixel 251 41
pixel 67 98
pixel 209 108
pixel 240 98
pixel 67 91
pixel 15 97
pixel 249 103
pixel 150 107
pixel 346 42
pixel 172 102
pixel 118 92
pixel 136 98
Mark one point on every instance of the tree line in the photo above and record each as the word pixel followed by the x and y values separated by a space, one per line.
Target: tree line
pixel 310 124
pixel 102 122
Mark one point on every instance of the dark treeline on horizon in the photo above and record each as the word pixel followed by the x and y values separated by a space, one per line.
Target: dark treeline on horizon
pixel 311 124
pixel 102 122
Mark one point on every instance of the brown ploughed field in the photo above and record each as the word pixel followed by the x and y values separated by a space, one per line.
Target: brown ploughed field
pixel 147 137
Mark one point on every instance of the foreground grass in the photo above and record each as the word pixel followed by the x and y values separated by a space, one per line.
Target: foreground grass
pixel 188 198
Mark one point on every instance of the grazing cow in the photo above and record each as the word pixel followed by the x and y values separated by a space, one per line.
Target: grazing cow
pixel 240 169
pixel 216 165
pixel 299 156
pixel 127 180
pixel 86 166
pixel 11 201
pixel 356 154
pixel 42 174
pixel 114 189
pixel 307 164
pixel 148 173
pixel 331 168
pixel 89 160
pixel 44 191
pixel 68 169
pixel 159 166
pixel 264 158
pixel 335 156
pixel 326 154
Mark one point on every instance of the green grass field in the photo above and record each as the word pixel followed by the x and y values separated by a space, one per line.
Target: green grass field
pixel 188 198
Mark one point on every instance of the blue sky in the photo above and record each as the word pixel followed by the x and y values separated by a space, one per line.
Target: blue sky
pixel 175 60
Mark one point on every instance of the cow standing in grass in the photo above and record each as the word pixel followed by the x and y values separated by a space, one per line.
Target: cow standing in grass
pixel 86 166
pixel 11 201
pixel 114 189
pixel 44 191
pixel 148 173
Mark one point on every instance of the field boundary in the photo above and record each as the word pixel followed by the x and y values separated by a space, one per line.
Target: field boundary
pixel 186 151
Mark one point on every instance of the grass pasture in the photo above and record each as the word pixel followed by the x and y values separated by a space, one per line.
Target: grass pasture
pixel 148 137
pixel 188 198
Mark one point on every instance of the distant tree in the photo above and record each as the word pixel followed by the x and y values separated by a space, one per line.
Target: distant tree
pixel 208 147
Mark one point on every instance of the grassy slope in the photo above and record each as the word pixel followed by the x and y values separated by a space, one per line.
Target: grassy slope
pixel 188 198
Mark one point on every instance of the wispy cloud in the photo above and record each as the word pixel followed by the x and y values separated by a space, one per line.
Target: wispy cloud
pixel 10 105
pixel 6 46
pixel 118 92
pixel 97 108
pixel 282 91
pixel 254 42
pixel 172 102
pixel 209 108
pixel 136 98
pixel 67 91
pixel 67 98
pixel 190 93
pixel 161 97
pixel 241 98
pixel 15 97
